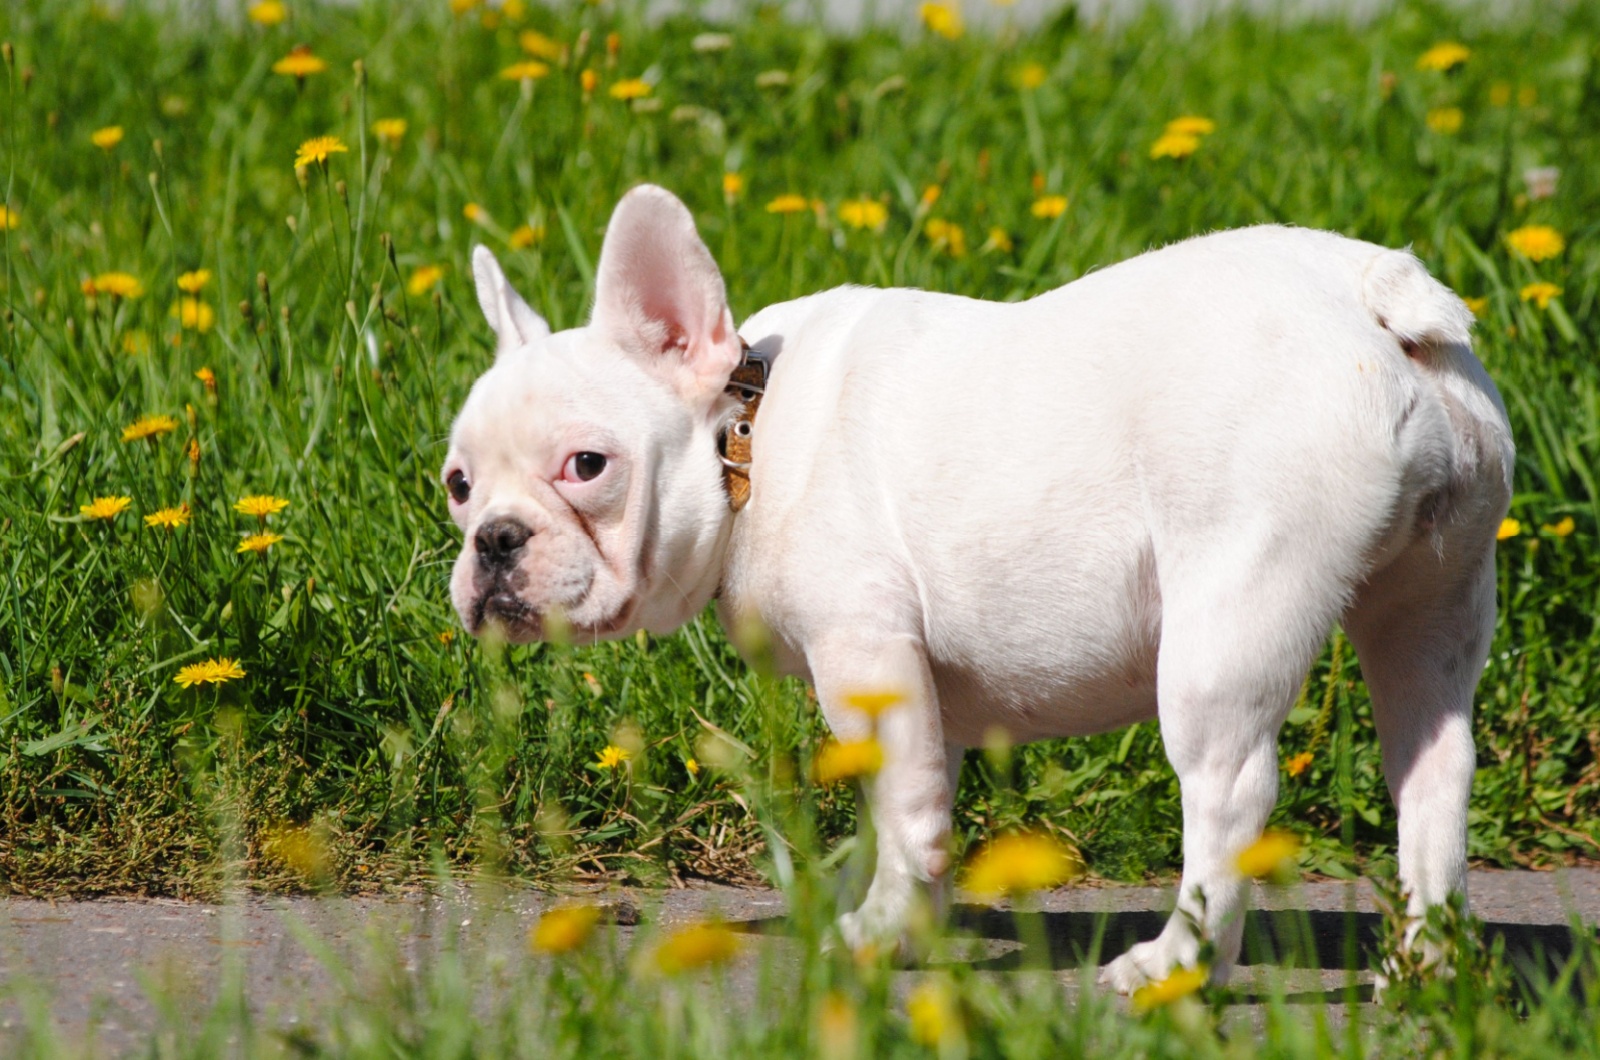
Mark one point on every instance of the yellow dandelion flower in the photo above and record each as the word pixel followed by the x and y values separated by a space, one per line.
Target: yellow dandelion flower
pixel 930 196
pixel 692 766
pixel 1021 863
pixel 1179 984
pixel 317 149
pixel 864 213
pixel 874 701
pixel 1478 305
pixel 696 946
pixel 789 203
pixel 527 70
pixel 588 81
pixel 999 240
pixel 424 278
pixel 193 282
pixel 260 505
pixel 105 507
pixel 210 672
pixel 1540 293
pixel 208 377
pixel 475 213
pixel 1536 242
pixel 1047 206
pixel 1271 856
pixel 732 185
pixel 539 46
pixel 148 427
pixel 1560 529
pixel 612 757
pixel 267 12
pixel 106 138
pixel 1032 75
pixel 461 7
pixel 446 637
pixel 169 518
pixel 563 930
pixel 1298 764
pixel 1191 125
pixel 632 88
pixel 838 1031
pixel 389 131
pixel 1175 145
pixel 117 284
pixel 525 236
pixel 193 314
pixel 1444 56
pixel 838 760
pixel 934 1014
pixel 946 236
pixel 1509 528
pixel 258 543
pixel 1444 120
pixel 943 19
pixel 299 63
pixel 9 218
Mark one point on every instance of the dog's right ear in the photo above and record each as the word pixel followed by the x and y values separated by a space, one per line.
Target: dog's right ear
pixel 513 320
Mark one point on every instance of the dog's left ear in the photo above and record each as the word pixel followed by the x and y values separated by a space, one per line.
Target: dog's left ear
pixel 513 320
pixel 659 294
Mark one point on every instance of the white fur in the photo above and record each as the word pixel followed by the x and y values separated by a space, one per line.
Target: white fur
pixel 1149 494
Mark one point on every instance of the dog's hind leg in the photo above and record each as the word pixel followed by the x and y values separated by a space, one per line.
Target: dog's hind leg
pixel 1234 649
pixel 911 795
pixel 1421 628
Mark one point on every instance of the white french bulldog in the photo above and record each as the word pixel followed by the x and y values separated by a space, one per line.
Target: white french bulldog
pixel 1149 494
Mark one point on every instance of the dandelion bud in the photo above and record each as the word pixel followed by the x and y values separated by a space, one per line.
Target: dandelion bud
pixel 344 192
pixel 7 51
pixel 72 330
pixel 27 78
pixel 246 310
pixel 361 73
pixel 285 314
pixel 302 177
pixel 581 47
pixel 613 46
pixel 58 684
pixel 291 220
pixel 190 415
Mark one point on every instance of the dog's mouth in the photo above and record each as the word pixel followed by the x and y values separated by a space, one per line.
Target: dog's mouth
pixel 519 622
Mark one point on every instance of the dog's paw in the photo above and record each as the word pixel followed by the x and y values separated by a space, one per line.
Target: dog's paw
pixel 1149 962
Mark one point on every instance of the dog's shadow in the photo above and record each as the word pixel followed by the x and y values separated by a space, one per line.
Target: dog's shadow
pixel 1319 939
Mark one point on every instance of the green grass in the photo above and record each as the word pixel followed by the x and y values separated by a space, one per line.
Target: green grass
pixel 335 386
pixel 362 746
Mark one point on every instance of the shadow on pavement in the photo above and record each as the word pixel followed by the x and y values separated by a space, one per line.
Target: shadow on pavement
pixel 1304 938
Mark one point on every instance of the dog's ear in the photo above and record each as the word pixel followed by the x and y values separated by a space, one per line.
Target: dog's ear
pixel 512 319
pixel 660 296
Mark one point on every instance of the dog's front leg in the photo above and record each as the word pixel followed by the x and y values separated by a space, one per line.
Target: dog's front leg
pixel 910 797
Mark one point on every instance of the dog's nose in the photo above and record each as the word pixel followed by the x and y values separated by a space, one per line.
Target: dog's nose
pixel 499 542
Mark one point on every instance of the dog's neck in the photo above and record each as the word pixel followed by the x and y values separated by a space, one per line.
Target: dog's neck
pixel 746 385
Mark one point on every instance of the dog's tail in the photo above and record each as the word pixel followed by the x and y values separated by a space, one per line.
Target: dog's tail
pixel 1422 313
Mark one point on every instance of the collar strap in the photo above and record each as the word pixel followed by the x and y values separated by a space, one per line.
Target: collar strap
pixel 747 384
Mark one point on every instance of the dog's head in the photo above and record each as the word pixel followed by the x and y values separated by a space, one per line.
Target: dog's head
pixel 583 469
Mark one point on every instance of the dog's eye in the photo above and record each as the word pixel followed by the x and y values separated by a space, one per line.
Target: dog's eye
pixel 581 467
pixel 458 486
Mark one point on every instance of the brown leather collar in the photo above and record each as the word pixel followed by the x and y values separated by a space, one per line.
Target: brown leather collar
pixel 747 383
